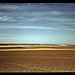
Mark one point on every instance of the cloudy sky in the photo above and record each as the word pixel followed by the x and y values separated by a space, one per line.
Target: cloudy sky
pixel 43 23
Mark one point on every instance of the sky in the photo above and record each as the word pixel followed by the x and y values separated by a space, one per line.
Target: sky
pixel 37 23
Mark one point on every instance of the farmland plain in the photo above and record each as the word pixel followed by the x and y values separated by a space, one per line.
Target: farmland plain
pixel 61 59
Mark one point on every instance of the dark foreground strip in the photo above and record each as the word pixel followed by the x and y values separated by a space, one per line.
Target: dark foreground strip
pixel 11 47
pixel 18 47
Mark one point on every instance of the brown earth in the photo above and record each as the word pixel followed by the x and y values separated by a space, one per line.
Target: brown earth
pixel 37 61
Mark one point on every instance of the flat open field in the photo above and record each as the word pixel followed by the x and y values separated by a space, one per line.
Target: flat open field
pixel 37 60
pixel 24 47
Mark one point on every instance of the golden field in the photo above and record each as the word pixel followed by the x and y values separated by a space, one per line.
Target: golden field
pixel 22 47
pixel 42 59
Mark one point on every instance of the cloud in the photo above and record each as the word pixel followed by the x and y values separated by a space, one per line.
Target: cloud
pixel 9 6
pixel 33 19
pixel 35 27
pixel 44 12
pixel 7 19
pixel 26 27
pixel 56 13
pixel 4 18
pixel 40 13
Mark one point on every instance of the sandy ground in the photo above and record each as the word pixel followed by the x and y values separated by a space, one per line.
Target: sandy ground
pixel 37 61
pixel 34 49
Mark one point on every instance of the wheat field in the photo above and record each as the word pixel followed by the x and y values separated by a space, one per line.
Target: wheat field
pixel 37 61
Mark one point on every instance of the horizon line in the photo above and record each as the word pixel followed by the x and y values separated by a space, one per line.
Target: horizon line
pixel 33 43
